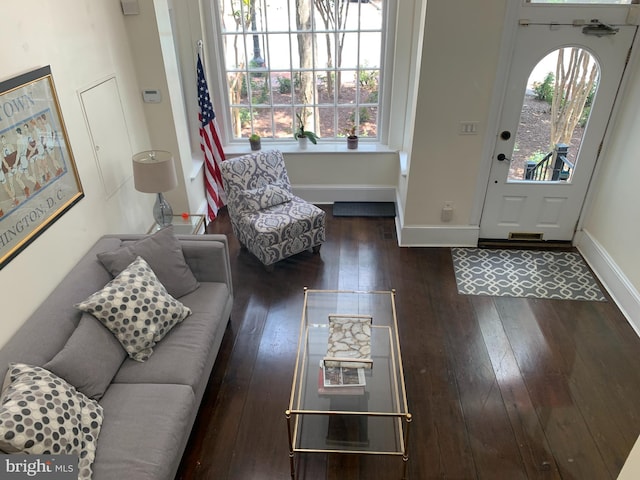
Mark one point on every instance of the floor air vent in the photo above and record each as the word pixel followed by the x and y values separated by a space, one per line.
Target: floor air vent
pixel 524 240
pixel 525 236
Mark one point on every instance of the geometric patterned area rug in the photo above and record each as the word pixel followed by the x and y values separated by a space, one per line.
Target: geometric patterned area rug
pixel 524 273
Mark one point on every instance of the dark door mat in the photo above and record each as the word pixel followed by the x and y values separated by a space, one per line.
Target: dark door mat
pixel 364 209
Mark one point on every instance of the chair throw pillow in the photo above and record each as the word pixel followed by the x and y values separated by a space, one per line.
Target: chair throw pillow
pixel 90 358
pixel 163 252
pixel 137 309
pixel 263 197
pixel 42 414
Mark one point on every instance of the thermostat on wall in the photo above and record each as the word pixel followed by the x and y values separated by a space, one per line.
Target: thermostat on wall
pixel 151 96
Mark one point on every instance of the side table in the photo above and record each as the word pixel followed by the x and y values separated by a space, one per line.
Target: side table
pixel 192 225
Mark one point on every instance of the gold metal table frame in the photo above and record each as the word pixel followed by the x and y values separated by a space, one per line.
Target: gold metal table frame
pixel 375 421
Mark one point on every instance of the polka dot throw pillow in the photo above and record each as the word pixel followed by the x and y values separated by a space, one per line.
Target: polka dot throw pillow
pixel 137 309
pixel 42 414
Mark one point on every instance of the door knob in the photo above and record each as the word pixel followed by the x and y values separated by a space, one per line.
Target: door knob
pixel 502 157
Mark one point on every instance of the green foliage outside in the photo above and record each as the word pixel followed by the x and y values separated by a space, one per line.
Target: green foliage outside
pixel 537 156
pixel 260 90
pixel 368 79
pixel 544 89
pixel 245 117
pixel 284 85
pixel 364 116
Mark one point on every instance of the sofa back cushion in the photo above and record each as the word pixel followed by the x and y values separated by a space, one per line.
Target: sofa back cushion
pixel 90 358
pixel 47 330
pixel 163 252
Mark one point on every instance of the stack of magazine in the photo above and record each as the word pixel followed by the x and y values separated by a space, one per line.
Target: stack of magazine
pixel 340 380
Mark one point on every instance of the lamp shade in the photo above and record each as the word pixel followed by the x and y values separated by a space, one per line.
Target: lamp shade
pixel 154 171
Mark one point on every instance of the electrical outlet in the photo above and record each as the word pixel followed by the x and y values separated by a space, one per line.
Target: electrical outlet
pixel 446 215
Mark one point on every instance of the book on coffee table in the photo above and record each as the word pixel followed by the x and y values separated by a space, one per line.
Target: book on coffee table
pixel 349 342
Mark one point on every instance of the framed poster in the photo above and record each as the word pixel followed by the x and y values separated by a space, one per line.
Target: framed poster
pixel 39 181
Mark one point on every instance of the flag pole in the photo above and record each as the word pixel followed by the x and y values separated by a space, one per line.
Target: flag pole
pixel 210 143
pixel 200 46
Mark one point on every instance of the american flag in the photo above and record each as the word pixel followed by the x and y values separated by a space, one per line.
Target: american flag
pixel 211 146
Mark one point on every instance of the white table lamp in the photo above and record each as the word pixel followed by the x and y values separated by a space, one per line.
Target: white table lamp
pixel 154 172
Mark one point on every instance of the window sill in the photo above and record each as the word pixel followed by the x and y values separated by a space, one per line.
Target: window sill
pixel 321 148
pixel 324 148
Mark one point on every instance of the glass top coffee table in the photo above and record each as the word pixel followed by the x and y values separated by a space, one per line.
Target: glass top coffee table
pixel 371 417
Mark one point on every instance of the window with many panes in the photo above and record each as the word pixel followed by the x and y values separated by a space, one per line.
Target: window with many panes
pixel 318 61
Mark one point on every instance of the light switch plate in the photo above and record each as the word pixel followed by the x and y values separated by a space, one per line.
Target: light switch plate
pixel 130 7
pixel 151 96
pixel 469 128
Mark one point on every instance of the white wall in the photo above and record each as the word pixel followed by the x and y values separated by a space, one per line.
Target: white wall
pixel 151 41
pixel 458 66
pixel 83 42
pixel 631 468
pixel 613 218
pixel 611 229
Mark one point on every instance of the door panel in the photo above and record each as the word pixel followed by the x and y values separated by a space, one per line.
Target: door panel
pixel 549 209
pixel 103 111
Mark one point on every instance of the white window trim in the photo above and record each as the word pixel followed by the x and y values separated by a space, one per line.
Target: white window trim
pixel 215 71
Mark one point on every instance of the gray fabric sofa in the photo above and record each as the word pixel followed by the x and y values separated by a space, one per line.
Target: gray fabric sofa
pixel 149 407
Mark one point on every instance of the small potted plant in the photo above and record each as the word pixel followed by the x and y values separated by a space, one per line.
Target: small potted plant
pixel 352 138
pixel 254 140
pixel 303 135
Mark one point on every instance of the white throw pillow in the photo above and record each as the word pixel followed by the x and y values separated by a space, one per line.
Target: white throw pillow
pixel 42 414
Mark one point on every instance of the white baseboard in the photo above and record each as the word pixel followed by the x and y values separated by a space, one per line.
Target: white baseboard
pixel 412 236
pixel 612 277
pixel 438 236
pixel 345 193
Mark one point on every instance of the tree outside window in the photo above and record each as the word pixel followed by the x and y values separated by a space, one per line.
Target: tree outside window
pixel 319 59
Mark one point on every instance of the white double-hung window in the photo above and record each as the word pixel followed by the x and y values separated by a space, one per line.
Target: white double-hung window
pixel 319 62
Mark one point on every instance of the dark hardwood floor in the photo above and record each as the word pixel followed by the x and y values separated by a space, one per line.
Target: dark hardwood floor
pixel 499 388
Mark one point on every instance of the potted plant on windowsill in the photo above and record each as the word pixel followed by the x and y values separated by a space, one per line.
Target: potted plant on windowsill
pixel 352 138
pixel 254 140
pixel 303 136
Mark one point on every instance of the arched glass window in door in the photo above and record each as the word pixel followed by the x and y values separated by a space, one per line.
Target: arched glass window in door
pixel 555 113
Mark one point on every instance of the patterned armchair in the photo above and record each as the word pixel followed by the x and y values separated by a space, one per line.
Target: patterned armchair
pixel 266 217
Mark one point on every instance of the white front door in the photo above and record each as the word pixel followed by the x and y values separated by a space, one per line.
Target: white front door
pixel 543 203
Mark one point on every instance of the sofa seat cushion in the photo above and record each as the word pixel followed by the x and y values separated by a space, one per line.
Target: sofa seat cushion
pixel 144 424
pixel 137 309
pixel 282 230
pixel 183 354
pixel 285 221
